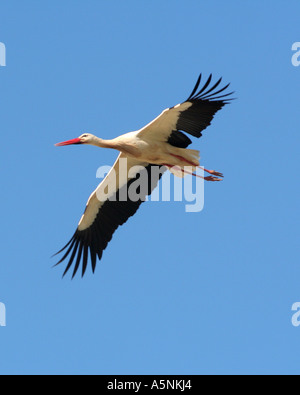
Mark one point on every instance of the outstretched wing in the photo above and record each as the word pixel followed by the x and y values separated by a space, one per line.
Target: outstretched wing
pixel 114 201
pixel 192 116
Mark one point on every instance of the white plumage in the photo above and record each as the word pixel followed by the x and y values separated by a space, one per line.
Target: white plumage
pixel 160 144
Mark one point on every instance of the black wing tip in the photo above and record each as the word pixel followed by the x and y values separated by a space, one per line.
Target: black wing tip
pixel 209 93
pixel 76 246
pixel 67 245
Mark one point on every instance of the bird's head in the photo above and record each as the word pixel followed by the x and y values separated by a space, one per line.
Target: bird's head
pixel 85 138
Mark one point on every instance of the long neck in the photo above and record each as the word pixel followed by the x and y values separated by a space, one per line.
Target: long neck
pixel 103 143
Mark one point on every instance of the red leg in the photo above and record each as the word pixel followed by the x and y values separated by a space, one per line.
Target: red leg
pixel 209 178
pixel 214 173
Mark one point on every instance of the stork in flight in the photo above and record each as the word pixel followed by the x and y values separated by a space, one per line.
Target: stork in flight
pixel 159 144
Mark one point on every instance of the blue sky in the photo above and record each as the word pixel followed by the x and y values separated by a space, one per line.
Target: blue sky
pixel 176 292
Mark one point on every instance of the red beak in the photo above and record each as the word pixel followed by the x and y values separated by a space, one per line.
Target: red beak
pixel 69 142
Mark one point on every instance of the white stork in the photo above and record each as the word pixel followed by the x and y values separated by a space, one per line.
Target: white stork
pixel 159 144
